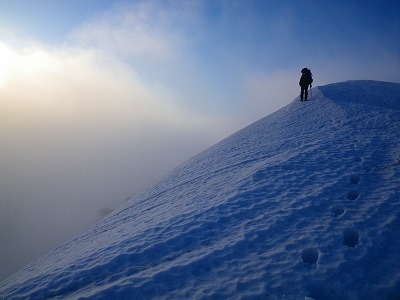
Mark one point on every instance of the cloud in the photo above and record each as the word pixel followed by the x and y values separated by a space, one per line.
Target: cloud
pixel 269 91
pixel 146 30
pixel 80 131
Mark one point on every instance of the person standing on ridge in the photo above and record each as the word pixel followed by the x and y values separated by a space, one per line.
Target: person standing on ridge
pixel 305 81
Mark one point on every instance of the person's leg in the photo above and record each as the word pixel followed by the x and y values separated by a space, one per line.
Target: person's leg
pixel 302 93
pixel 306 93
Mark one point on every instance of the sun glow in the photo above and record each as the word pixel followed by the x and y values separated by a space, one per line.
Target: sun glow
pixel 7 59
pixel 29 63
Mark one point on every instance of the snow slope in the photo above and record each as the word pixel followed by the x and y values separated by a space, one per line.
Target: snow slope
pixel 303 203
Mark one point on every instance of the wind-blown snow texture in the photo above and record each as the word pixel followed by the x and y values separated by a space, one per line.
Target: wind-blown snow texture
pixel 304 202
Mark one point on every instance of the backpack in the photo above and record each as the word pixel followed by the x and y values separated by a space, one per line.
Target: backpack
pixel 307 75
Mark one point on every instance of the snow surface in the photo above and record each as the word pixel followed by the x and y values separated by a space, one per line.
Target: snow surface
pixel 303 203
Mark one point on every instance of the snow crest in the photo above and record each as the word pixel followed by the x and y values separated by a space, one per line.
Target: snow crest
pixel 303 203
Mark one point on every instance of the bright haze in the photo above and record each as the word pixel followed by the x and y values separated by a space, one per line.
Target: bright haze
pixel 100 99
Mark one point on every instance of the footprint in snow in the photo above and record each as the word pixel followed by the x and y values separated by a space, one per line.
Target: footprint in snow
pixel 354 179
pixel 353 194
pixel 338 210
pixel 351 237
pixel 310 256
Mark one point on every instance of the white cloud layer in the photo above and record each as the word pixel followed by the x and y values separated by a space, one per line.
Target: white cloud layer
pixel 148 30
pixel 80 132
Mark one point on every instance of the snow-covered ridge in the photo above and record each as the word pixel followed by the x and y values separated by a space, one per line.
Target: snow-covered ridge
pixel 304 202
pixel 365 92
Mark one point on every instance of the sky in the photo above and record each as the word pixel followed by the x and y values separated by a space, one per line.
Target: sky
pixel 100 99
